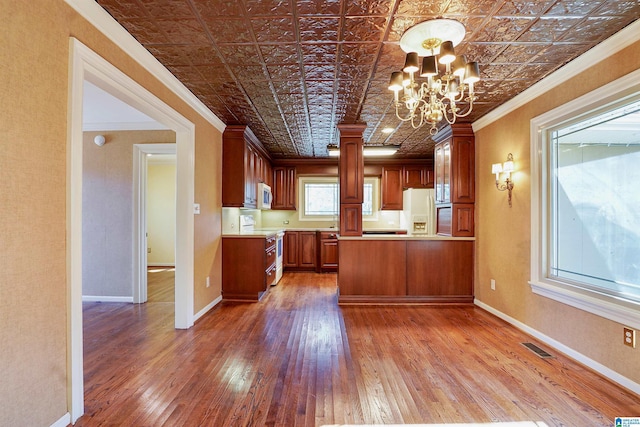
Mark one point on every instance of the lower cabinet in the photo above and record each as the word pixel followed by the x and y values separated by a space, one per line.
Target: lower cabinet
pixel 299 250
pixel 328 251
pixel 248 267
pixel 406 271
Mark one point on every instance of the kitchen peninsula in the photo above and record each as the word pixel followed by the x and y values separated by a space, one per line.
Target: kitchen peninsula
pixel 405 269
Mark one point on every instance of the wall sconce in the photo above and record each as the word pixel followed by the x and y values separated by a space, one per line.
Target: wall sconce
pixel 506 168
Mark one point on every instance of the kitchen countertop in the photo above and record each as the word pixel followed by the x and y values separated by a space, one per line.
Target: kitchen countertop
pixel 403 237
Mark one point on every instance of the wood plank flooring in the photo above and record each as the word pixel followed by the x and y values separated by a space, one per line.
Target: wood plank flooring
pixel 161 283
pixel 299 359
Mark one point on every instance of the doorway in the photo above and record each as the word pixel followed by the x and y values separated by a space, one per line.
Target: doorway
pixel 142 153
pixel 87 65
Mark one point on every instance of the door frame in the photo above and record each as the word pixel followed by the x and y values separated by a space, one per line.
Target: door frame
pixel 84 64
pixel 140 182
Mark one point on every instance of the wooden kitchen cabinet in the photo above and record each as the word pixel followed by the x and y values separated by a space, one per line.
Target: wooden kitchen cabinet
pixel 417 176
pixel 405 271
pixel 328 251
pixel 284 188
pixel 299 250
pixel 454 181
pixel 392 178
pixel 245 163
pixel 440 268
pixel 248 267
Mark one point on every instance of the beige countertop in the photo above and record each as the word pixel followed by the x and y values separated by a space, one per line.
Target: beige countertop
pixel 403 237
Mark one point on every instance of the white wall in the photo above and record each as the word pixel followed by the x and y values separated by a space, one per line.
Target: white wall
pixel 161 211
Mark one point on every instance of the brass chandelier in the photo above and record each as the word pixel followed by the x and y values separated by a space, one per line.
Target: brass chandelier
pixel 449 78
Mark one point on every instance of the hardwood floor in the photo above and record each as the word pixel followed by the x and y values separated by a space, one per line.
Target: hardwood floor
pixel 297 358
pixel 161 283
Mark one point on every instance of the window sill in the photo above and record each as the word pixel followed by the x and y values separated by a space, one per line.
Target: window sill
pixel 623 312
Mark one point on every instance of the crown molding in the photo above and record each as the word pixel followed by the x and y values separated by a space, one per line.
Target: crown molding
pixel 598 53
pixel 99 18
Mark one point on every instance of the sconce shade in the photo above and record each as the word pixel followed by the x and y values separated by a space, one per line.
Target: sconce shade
pixel 411 64
pixel 496 168
pixel 395 83
pixel 447 54
pixel 507 166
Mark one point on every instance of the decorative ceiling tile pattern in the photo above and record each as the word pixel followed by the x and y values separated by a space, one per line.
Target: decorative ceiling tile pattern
pixel 294 70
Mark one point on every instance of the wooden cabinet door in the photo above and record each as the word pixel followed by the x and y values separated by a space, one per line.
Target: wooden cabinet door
pixel 284 187
pixel 329 254
pixel 391 188
pixel 307 249
pixel 443 171
pixel 414 176
pixel 250 184
pixel 290 254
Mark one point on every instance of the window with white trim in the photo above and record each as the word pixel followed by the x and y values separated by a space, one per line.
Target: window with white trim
pixel 320 198
pixel 586 204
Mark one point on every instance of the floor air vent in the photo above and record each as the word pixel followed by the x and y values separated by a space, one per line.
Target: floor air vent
pixel 537 350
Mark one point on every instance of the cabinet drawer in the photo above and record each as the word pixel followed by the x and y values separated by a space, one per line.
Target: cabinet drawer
pixel 269 241
pixel 327 235
pixel 271 256
pixel 270 275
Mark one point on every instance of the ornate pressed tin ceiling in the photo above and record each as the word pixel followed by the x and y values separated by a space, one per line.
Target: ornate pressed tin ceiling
pixel 293 70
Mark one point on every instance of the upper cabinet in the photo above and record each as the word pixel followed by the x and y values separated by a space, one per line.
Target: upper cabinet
pixel 391 188
pixel 245 163
pixel 454 181
pixel 417 176
pixel 284 188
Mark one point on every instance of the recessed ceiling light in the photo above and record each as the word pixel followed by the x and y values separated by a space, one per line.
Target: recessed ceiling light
pixel 387 130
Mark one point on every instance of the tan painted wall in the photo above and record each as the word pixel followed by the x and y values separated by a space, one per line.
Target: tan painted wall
pixel 107 210
pixel 33 136
pixel 503 233
pixel 161 214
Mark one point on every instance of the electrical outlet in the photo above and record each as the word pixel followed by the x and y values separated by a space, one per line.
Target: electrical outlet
pixel 630 337
pixel 493 284
pixel 149 250
pixel 285 222
pixel 208 282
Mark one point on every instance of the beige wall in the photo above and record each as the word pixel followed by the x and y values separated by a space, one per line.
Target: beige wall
pixel 33 135
pixel 107 210
pixel 503 233
pixel 161 214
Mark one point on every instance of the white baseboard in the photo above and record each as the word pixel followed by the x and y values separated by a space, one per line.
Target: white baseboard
pixel 161 264
pixel 596 366
pixel 207 308
pixel 64 421
pixel 97 298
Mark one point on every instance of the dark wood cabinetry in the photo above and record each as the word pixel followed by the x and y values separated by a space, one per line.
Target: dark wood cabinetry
pixel 391 191
pixel 299 250
pixel 417 176
pixel 284 188
pixel 406 271
pixel 454 181
pixel 248 267
pixel 245 163
pixel 328 251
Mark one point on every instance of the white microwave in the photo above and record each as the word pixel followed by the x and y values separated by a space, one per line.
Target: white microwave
pixel 264 196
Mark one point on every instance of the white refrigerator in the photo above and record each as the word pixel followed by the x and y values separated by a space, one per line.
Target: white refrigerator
pixel 419 211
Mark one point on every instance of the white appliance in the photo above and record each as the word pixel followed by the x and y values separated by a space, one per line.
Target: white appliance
pixel 419 211
pixel 247 224
pixel 279 255
pixel 265 197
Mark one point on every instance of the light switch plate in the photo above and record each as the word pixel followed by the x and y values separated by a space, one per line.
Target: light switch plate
pixel 196 208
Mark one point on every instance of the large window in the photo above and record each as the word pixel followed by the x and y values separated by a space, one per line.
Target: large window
pixel 320 198
pixel 586 205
